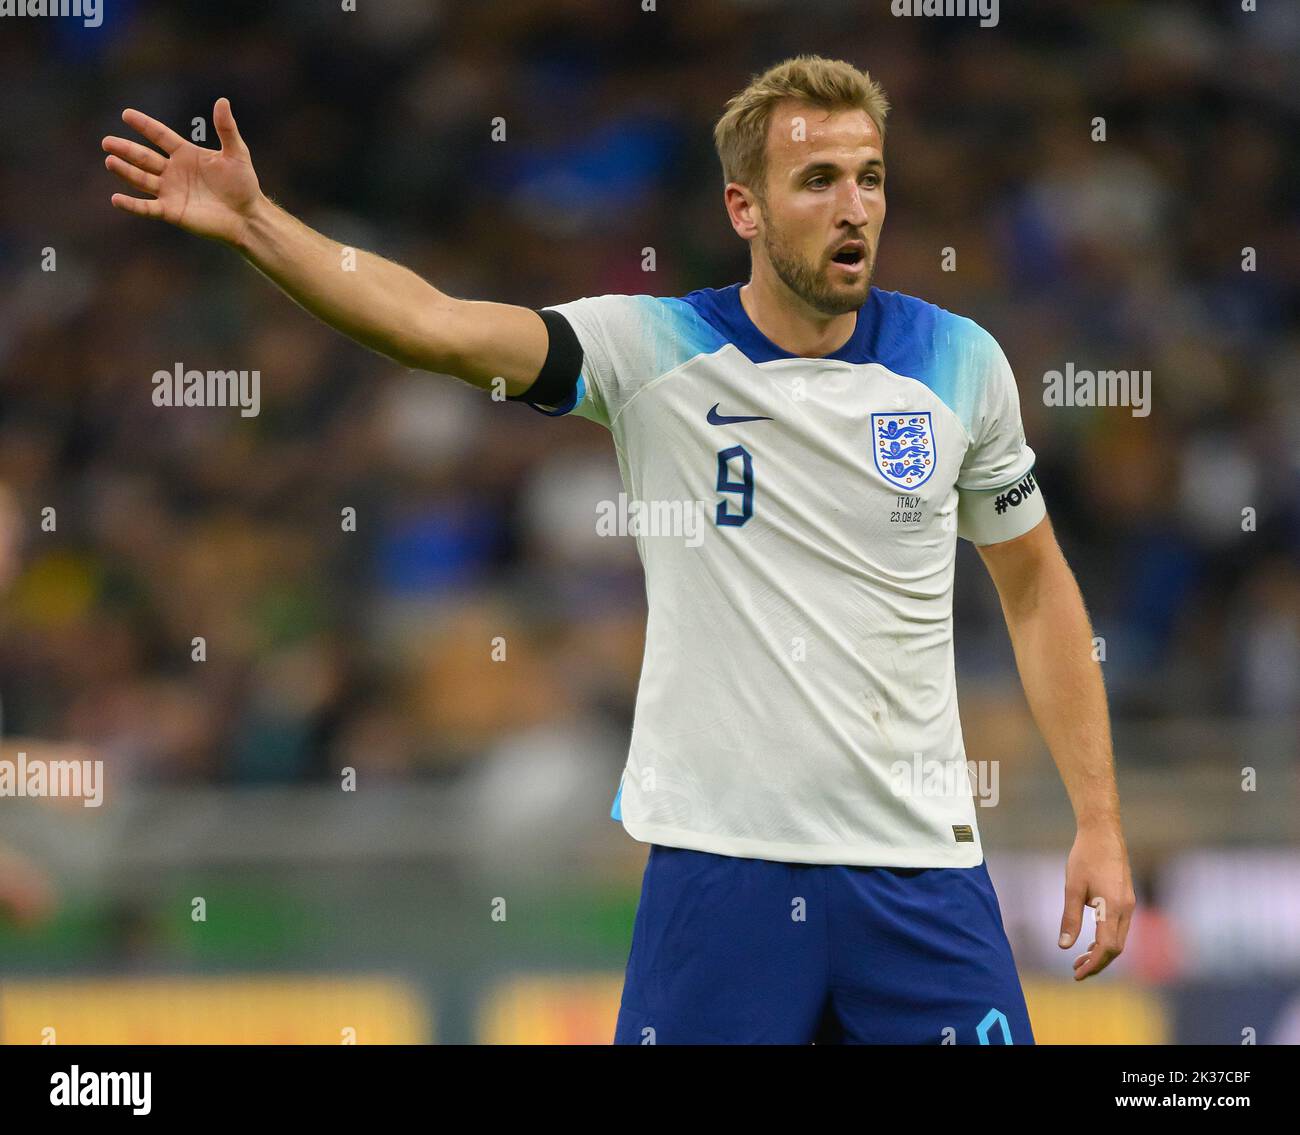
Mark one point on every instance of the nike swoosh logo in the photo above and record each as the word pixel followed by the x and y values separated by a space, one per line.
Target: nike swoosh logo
pixel 716 419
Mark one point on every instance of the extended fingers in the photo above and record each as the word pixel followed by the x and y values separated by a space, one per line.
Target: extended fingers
pixel 151 161
pixel 140 207
pixel 133 176
pixel 164 137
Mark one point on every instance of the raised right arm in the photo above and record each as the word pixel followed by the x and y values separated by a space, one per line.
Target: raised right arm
pixel 392 310
pixel 215 193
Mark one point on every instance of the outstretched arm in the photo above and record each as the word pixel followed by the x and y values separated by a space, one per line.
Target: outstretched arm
pixel 1052 638
pixel 215 194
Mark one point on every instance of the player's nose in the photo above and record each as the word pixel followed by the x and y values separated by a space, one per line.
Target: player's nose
pixel 853 211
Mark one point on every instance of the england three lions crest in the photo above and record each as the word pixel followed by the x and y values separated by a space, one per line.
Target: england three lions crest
pixel 903 445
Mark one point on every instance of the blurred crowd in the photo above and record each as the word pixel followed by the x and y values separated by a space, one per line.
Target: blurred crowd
pixel 471 624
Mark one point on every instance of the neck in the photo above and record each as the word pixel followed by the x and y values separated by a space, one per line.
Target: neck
pixel 789 322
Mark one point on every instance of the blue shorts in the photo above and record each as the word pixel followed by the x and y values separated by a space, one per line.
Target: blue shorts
pixel 748 951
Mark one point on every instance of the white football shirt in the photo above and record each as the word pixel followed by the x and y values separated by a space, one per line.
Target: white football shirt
pixel 798 520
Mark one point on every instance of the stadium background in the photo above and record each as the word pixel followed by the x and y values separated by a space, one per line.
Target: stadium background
pixel 481 781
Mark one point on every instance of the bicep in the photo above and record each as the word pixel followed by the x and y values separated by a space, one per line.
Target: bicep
pixel 1016 565
pixel 482 341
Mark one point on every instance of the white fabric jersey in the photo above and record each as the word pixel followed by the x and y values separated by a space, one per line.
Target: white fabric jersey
pixel 797 699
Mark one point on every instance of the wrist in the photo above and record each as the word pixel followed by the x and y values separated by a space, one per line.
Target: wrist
pixel 1098 823
pixel 255 224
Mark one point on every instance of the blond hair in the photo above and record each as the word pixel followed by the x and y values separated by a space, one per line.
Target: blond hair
pixel 832 84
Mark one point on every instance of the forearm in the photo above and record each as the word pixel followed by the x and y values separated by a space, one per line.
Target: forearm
pixel 378 303
pixel 1052 638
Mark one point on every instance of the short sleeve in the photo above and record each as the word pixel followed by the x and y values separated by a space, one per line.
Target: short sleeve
pixel 998 497
pixel 601 324
pixel 626 342
pixel 605 330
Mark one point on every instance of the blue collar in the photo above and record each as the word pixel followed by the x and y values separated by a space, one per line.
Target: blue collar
pixel 723 310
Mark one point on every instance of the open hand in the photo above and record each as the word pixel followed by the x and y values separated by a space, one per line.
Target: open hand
pixel 207 192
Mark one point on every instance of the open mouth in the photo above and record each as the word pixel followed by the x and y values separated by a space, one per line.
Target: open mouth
pixel 851 255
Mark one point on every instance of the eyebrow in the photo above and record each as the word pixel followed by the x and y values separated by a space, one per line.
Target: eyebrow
pixel 832 167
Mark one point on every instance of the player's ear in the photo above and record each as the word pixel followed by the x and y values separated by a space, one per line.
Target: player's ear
pixel 742 208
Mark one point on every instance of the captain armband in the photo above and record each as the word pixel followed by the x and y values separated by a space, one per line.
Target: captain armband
pixel 990 516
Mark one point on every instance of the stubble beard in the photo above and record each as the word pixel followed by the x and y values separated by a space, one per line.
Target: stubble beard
pixel 812 282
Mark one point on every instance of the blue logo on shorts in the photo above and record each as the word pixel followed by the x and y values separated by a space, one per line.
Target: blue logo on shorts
pixel 993 1017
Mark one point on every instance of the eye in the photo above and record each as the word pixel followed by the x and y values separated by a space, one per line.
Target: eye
pixel 872 179
pixel 815 178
